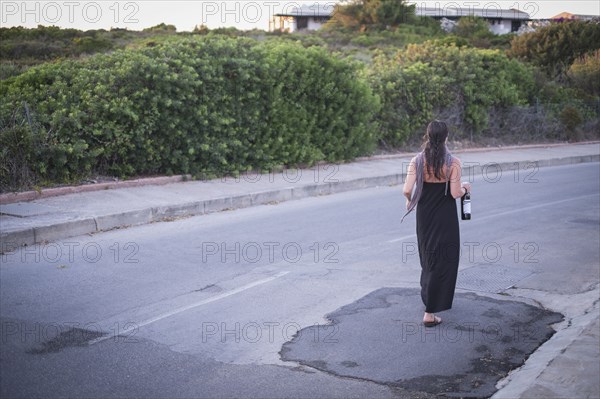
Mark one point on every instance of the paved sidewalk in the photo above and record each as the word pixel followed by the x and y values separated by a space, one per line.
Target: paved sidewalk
pixel 60 217
pixel 568 365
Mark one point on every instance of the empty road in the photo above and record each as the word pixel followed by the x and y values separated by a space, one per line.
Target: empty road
pixel 202 306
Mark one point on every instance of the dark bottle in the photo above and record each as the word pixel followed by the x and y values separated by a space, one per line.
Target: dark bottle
pixel 465 206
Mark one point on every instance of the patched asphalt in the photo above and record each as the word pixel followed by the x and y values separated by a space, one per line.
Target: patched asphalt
pixel 380 338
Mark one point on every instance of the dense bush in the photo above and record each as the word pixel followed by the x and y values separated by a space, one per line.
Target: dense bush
pixel 471 26
pixel 199 105
pixel 214 102
pixel 410 95
pixel 585 73
pixel 46 43
pixel 372 14
pixel 8 69
pixel 28 47
pixel 418 83
pixel 556 46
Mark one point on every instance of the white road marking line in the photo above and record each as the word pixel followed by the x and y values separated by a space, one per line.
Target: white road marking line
pixel 194 305
pixel 527 208
pixel 401 239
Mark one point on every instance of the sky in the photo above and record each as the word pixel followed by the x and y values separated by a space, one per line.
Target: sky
pixel 243 14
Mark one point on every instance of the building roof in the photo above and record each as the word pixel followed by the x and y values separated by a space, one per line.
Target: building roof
pixel 312 10
pixel 568 15
pixel 326 10
pixel 487 13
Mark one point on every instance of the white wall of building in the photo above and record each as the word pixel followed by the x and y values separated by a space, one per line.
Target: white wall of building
pixel 290 24
pixel 500 26
pixel 314 23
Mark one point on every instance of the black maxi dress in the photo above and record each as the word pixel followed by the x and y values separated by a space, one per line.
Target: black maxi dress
pixel 438 239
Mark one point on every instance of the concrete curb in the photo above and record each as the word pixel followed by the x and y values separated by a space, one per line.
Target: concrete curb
pixel 475 150
pixel 36 235
pixel 9 198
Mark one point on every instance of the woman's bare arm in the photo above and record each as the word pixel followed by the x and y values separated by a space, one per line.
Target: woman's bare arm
pixel 411 178
pixel 456 188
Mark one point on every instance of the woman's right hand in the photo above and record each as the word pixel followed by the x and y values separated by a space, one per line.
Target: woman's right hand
pixel 467 186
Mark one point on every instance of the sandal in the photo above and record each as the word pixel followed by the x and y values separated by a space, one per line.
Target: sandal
pixel 435 322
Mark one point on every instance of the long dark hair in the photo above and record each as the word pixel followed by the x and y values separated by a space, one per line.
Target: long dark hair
pixel 435 148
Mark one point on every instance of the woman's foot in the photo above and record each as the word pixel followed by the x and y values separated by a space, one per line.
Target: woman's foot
pixel 431 320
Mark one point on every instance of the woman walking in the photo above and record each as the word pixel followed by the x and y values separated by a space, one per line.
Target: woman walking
pixel 435 176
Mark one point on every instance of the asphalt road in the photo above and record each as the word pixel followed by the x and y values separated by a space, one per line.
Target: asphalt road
pixel 202 307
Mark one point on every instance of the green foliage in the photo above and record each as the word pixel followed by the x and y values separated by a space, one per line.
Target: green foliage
pixel 555 97
pixel 395 12
pixel 585 73
pixel 91 45
pixel 502 42
pixel 27 47
pixel 215 102
pixel 555 47
pixel 476 31
pixel 203 105
pixel 9 69
pixel 418 83
pixel 201 29
pixel 410 94
pixel 389 39
pixel 372 14
pixel 29 154
pixel 571 118
pixel 473 27
pixel 16 156
pixel 452 40
pixel 161 28
pixel 47 43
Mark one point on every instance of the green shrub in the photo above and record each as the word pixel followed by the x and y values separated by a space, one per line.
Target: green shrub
pixel 372 14
pixel 571 118
pixel 30 155
pixel 162 27
pixel 9 69
pixel 409 96
pixel 473 27
pixel 91 44
pixel 202 105
pixel 556 46
pixel 585 73
pixel 423 81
